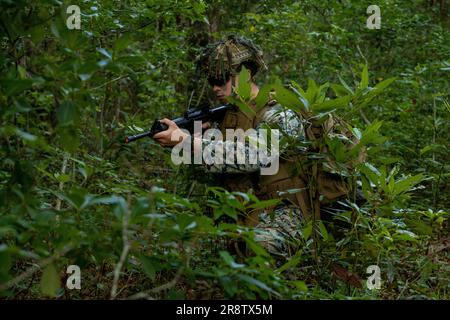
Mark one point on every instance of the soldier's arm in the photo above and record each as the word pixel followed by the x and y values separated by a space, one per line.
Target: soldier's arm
pixel 286 121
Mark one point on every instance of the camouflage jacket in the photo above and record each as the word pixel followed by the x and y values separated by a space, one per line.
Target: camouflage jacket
pixel 285 120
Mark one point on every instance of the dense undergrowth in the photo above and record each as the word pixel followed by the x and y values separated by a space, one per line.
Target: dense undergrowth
pixel 72 193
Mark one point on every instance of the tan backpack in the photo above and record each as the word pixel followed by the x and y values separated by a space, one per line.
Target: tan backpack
pixel 310 183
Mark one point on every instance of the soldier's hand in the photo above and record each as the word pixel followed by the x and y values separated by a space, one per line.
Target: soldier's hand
pixel 170 137
pixel 205 125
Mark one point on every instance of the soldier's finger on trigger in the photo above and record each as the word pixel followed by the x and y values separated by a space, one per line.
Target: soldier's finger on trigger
pixel 206 125
pixel 168 122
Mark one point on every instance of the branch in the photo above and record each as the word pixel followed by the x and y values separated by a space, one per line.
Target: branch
pixel 168 285
pixel 61 184
pixel 110 81
pixel 30 271
pixel 124 254
pixel 362 55
pixel 363 116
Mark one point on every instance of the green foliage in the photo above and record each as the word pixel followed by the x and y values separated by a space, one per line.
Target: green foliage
pixel 71 192
pixel 50 281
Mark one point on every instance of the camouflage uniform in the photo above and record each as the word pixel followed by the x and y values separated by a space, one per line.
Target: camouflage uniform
pixel 278 229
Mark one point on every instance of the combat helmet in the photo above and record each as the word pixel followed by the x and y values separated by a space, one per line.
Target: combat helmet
pixel 222 59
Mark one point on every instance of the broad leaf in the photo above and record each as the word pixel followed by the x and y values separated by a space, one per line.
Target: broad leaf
pixel 50 281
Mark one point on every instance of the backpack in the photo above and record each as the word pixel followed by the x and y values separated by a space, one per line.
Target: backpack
pixel 315 179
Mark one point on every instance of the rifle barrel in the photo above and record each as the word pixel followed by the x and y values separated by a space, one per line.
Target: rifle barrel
pixel 137 136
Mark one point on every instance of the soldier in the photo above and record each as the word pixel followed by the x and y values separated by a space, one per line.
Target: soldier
pixel 278 228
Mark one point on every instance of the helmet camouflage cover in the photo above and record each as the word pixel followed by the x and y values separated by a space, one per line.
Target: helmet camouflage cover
pixel 224 58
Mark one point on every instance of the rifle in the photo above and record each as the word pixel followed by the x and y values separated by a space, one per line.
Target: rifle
pixel 186 121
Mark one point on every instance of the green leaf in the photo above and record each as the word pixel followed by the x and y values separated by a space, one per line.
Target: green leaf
pixel 243 195
pixel 307 230
pixel 426 149
pixel 230 261
pixel 264 204
pixel 25 135
pixel 256 247
pixel 407 183
pixel 321 92
pixel 323 231
pixel 332 104
pixel 241 105
pixel 292 262
pixel 301 95
pixel 257 283
pixel 391 184
pixel 15 86
pixel 67 113
pixel 20 105
pixel 6 231
pixel 377 90
pixel 419 226
pixel 433 148
pixel 300 285
pixel 405 235
pixel 229 285
pixel 50 281
pixel 287 98
pixel 340 91
pixel 105 53
pixel 122 43
pixel 37 33
pixel 244 87
pixel 56 27
pixel 230 210
pixel 263 96
pixel 84 76
pixel 384 84
pixel 113 199
pixel 103 63
pixel 297 88
pixel 62 177
pixel 312 91
pixel 337 149
pixel 150 266
pixel 364 78
pixel 132 60
pixel 69 138
pixel 370 134
pixel 5 261
pixel 372 173
pixel 346 86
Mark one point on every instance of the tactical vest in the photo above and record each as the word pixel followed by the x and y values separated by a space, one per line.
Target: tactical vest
pixel 236 119
pixel 288 184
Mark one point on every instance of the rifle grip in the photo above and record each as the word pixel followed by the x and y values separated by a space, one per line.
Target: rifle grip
pixel 158 126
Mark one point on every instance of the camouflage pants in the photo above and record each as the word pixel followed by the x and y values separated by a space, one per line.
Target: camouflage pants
pixel 278 231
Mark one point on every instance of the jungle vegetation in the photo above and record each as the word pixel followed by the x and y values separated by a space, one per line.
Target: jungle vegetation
pixel 73 193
